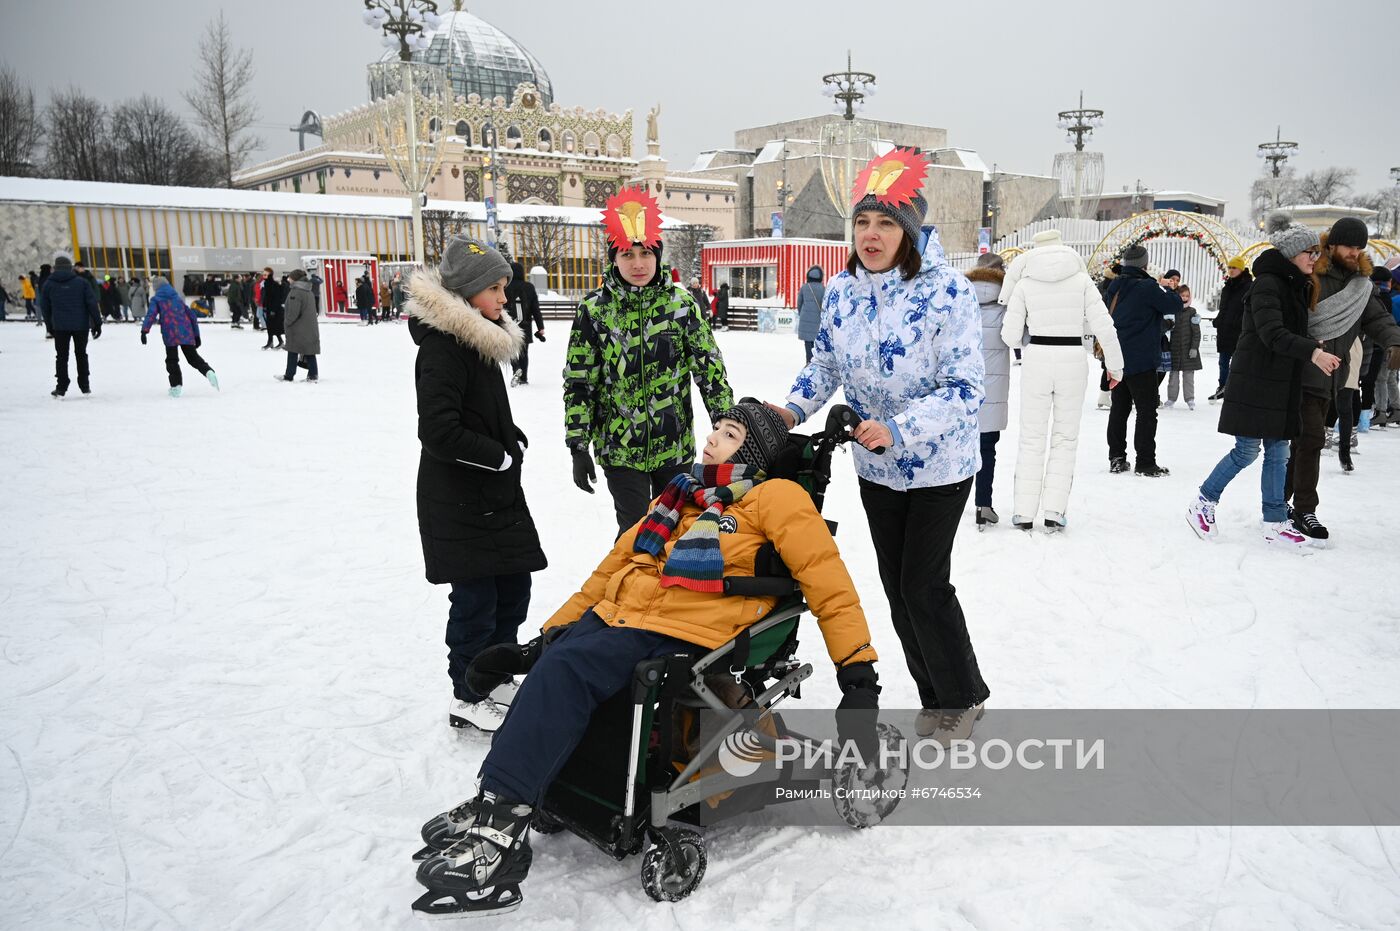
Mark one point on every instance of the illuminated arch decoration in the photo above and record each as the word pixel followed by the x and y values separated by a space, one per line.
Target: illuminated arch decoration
pixel 1207 232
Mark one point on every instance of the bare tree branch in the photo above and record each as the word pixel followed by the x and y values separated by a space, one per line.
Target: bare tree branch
pixel 683 247
pixel 19 126
pixel 543 241
pixel 438 227
pixel 154 146
pixel 79 145
pixel 1326 186
pixel 221 100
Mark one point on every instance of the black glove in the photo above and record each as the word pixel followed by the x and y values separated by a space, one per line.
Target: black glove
pixel 97 332
pixel 583 469
pixel 521 438
pixel 198 341
pixel 496 665
pixel 858 712
pixel 143 337
pixel 539 335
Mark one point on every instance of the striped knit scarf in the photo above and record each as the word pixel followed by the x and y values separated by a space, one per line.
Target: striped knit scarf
pixel 695 562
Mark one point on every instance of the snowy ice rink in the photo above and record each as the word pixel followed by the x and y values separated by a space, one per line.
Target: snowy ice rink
pixel 223 698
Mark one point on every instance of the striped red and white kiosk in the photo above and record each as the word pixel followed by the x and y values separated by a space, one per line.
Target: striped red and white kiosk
pixel 767 273
pixel 344 269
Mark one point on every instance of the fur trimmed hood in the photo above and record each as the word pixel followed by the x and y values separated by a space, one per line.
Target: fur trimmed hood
pixel 435 307
pixel 994 275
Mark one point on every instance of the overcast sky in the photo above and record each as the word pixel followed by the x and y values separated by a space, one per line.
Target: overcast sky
pixel 1189 88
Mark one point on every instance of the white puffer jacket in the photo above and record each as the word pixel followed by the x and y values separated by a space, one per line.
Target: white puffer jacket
pixel 1055 296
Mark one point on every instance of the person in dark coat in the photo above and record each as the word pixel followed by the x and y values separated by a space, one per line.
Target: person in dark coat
pixel 209 290
pixel 109 299
pixel 475 527
pixel 69 306
pixel 235 302
pixel 523 305
pixel 1343 306
pixel 302 330
pixel 700 296
pixel 809 308
pixel 1261 404
pixel 1230 318
pixel 273 297
pixel 721 306
pixel 364 300
pixel 1142 312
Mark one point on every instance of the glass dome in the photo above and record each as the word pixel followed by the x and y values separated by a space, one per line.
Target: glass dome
pixel 480 59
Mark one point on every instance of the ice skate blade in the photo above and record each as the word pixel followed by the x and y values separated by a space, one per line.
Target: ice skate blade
pixel 462 724
pixel 498 900
pixel 428 851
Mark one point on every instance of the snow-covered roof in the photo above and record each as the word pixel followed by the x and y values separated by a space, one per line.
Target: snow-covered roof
pixel 106 194
pixel 1188 196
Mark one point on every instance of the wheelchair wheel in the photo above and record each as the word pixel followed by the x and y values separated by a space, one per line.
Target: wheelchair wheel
pixel 674 864
pixel 544 824
pixel 864 803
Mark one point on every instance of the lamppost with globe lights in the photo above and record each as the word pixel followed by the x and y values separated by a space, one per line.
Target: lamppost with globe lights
pixel 842 142
pixel 412 99
pixel 1277 154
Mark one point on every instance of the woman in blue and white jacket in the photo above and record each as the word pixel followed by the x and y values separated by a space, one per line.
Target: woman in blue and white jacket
pixel 900 333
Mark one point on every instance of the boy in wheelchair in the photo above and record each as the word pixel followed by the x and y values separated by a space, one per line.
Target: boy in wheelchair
pixel 658 591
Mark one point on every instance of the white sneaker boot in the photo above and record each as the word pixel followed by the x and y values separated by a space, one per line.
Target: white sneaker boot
pixel 1286 535
pixel 485 715
pixel 504 693
pixel 1201 516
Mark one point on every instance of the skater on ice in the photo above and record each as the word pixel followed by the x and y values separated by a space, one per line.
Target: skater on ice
pixel 477 533
pixel 1142 313
pixel 987 278
pixel 303 330
pixel 657 592
pixel 1343 305
pixel 1260 407
pixel 68 304
pixel 179 330
pixel 1055 301
pixel 636 345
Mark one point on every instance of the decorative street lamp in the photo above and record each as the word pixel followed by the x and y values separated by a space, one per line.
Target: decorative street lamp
pixel 847 145
pixel 412 100
pixel 1277 154
pixel 1079 173
pixel 1079 124
pixel 491 169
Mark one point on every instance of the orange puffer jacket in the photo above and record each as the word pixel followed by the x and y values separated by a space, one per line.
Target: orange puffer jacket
pixel 625 590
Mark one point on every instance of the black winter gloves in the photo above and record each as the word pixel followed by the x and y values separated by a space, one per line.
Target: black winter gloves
pixel 198 341
pixel 584 474
pixel 97 331
pixel 497 665
pixel 859 709
pixel 539 335
pixel 143 337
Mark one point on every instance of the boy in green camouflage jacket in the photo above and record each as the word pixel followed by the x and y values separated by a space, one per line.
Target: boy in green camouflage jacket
pixel 635 345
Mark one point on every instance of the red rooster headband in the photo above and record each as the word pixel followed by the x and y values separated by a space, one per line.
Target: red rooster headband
pixel 892 179
pixel 632 218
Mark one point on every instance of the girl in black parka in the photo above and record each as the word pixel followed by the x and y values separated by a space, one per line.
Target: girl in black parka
pixel 476 530
pixel 1264 386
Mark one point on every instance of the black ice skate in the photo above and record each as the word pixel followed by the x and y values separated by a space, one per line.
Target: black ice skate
pixel 444 830
pixel 481 872
pixel 1118 464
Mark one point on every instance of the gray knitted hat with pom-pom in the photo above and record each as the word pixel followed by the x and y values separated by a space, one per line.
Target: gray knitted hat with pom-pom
pixel 1288 237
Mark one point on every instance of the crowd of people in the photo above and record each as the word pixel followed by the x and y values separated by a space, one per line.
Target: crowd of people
pixel 922 354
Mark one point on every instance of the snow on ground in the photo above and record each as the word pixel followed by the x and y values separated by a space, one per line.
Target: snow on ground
pixel 223 697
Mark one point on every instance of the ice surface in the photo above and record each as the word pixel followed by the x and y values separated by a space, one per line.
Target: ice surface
pixel 223 698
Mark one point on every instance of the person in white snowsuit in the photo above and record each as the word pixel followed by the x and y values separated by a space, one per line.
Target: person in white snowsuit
pixel 1053 299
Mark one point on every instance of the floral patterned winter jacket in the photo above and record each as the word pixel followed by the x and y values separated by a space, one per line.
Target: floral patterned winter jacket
pixel 908 353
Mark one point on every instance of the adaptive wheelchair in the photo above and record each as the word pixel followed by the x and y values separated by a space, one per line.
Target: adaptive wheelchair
pixel 635 784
